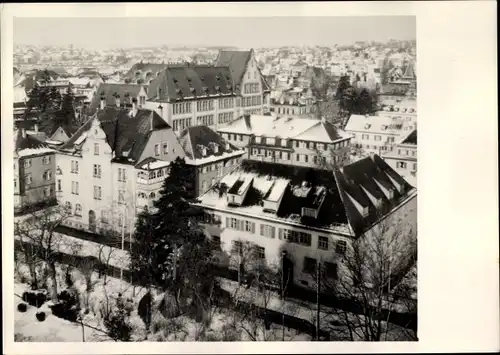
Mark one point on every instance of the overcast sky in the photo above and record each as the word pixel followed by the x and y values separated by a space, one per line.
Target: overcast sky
pixel 104 33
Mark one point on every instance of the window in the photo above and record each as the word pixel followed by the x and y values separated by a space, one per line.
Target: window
pixel 298 157
pixel 68 207
pixel 47 175
pixel 341 247
pixel 74 188
pixel 157 149
pixel 97 171
pixel 267 230
pixel 323 243
pixel 378 138
pixel 331 270
pixel 47 191
pixel 297 143
pixel 28 179
pixel 74 167
pixel 260 253
pixel 237 247
pixel 78 210
pixel 96 148
pixel 215 242
pixel 97 193
pixel 233 223
pixel 309 265
pixel 46 160
pixel 104 216
pixel 121 196
pixel 414 166
pixel 402 165
pixel 306 158
pixel 203 186
pixel 122 174
pixel 27 163
pixel 305 238
pixel 249 227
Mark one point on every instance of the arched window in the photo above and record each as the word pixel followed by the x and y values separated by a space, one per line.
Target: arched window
pixel 78 210
pixel 68 207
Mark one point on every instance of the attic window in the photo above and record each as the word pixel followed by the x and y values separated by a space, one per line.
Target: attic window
pixel 217 88
pixel 175 80
pixel 178 91
pixel 217 77
pixel 205 88
pixel 367 126
pixel 188 79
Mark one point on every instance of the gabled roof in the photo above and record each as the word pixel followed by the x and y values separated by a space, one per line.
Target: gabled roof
pixel 27 142
pixel 411 138
pixel 188 81
pixel 237 62
pixel 110 90
pixel 126 135
pixel 144 71
pixel 194 138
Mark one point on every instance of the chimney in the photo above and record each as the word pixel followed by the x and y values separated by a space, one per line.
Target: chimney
pixel 323 119
pixel 36 128
pixel 102 103
pixel 117 100
pixel 23 132
pixel 160 110
pixel 134 107
pixel 151 126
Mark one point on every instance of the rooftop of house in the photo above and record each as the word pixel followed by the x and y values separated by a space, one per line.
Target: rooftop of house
pixel 236 61
pixel 411 138
pixel 346 201
pixel 203 145
pixel 306 129
pixel 26 144
pixel 108 91
pixel 127 135
pixel 144 71
pixel 378 124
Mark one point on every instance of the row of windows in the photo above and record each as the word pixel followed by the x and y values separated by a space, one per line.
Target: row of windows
pixel 152 195
pixel 182 107
pixel 207 120
pixel 45 161
pixel 180 124
pixel 164 145
pixel 153 174
pixel 251 101
pixel 293 110
pixel 226 103
pixel 226 117
pixel 310 265
pixel 46 176
pixel 233 136
pixel 405 165
pixel 255 111
pixel 237 248
pixel 407 152
pixel 251 88
pixel 376 138
pixel 205 105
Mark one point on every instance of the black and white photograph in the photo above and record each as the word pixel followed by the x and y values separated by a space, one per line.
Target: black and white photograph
pixel 215 179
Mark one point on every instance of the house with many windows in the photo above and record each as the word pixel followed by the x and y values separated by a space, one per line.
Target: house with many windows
pixel 118 95
pixel 289 140
pixel 210 156
pixel 378 134
pixel 294 102
pixel 299 218
pixel 34 170
pixel 403 158
pixel 186 95
pixel 114 166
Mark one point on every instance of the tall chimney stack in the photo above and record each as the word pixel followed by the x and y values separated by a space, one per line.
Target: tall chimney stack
pixel 36 128
pixel 134 107
pixel 117 100
pixel 102 102
pixel 23 132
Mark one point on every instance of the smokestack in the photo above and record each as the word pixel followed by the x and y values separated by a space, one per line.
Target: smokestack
pixel 102 102
pixel 23 132
pixel 36 128
pixel 117 100
pixel 134 107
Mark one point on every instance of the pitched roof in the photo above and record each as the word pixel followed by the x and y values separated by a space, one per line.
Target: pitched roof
pixel 193 139
pixel 27 142
pixel 284 127
pixel 236 61
pixel 126 135
pixel 377 124
pixel 144 71
pixel 411 138
pixel 188 81
pixel 110 90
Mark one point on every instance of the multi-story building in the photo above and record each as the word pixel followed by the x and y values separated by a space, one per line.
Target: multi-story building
pixel 114 166
pixel 377 134
pixel 210 156
pixel 310 216
pixel 289 140
pixel 188 95
pixel 34 170
pixel 296 102
pixel 403 158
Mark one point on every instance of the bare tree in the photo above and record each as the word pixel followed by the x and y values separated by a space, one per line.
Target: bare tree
pixel 40 243
pixel 365 277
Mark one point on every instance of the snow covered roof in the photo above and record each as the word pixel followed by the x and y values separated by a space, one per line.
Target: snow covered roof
pixel 285 127
pixel 377 124
pixel 152 163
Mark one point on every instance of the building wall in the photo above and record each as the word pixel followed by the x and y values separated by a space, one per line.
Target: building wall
pixel 60 135
pixel 161 137
pixel 39 189
pixel 370 143
pixel 252 76
pixel 208 174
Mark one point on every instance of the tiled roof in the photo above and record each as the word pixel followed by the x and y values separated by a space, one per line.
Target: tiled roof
pixel 126 135
pixel 27 142
pixel 411 138
pixel 110 90
pixel 236 61
pixel 194 138
pixel 185 82
pixel 144 71
pixel 306 187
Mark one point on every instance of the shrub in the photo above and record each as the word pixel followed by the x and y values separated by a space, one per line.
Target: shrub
pixel 22 307
pixel 117 325
pixel 35 298
pixel 40 316
pixel 67 307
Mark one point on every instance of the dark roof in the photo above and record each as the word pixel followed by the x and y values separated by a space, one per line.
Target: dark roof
pixel 109 91
pixel 361 174
pixel 179 82
pixel 236 61
pixel 28 142
pixel 411 139
pixel 192 138
pixel 123 133
pixel 146 71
